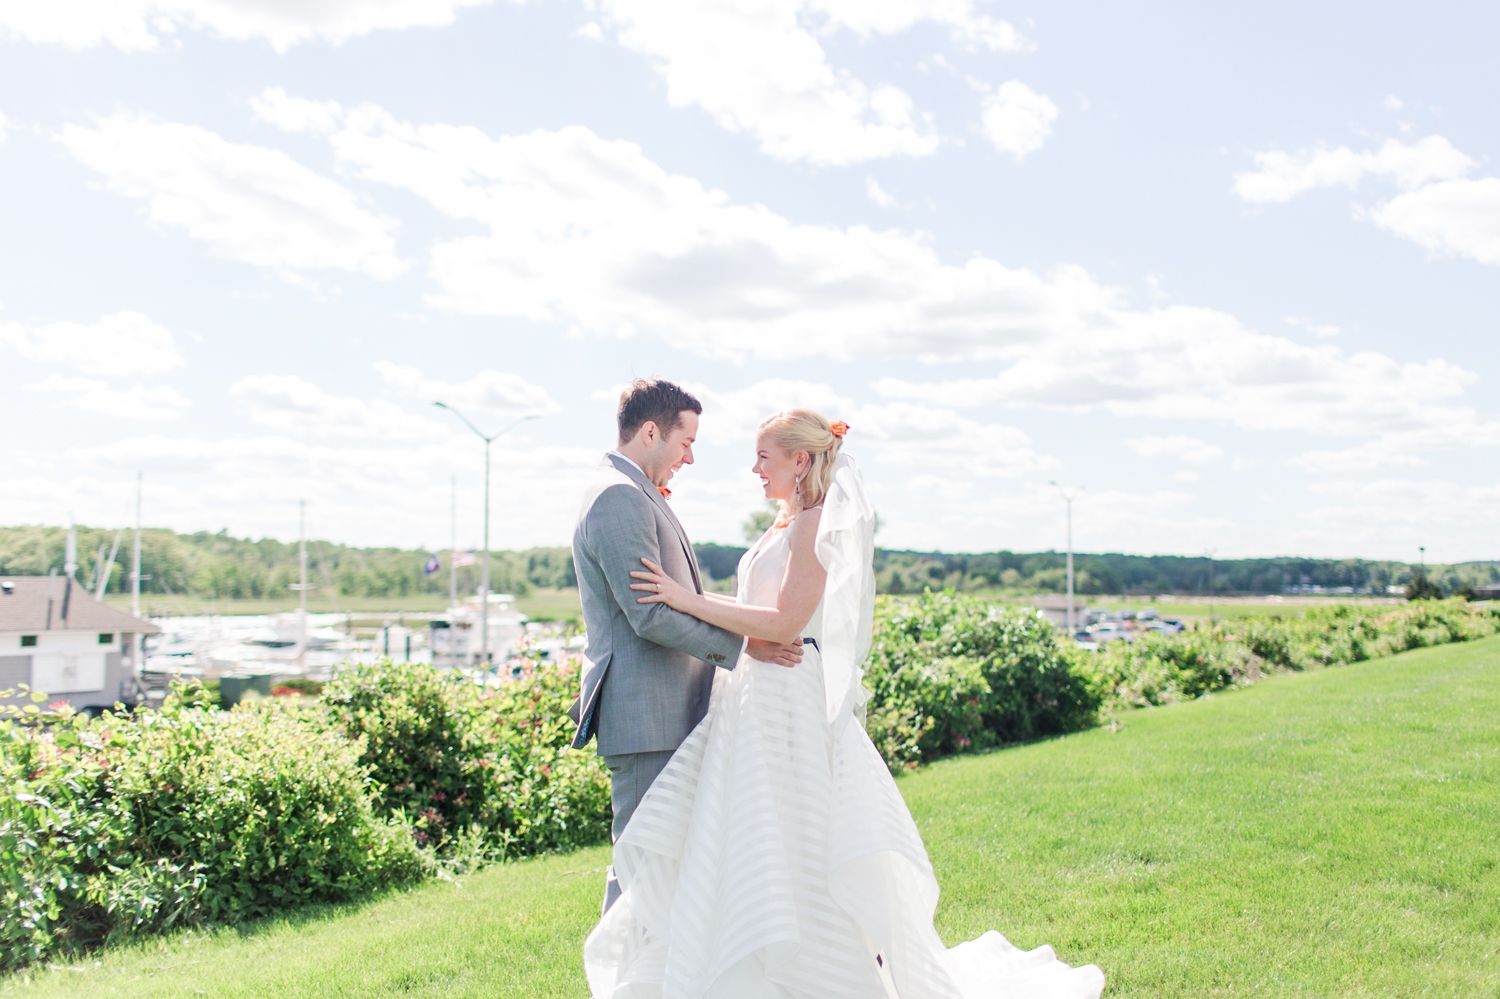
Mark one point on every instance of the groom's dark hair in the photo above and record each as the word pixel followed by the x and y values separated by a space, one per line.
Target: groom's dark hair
pixel 657 400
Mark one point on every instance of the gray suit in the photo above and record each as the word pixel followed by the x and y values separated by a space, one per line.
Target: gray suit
pixel 646 672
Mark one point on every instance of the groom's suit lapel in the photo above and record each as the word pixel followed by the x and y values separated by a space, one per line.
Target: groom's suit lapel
pixel 654 494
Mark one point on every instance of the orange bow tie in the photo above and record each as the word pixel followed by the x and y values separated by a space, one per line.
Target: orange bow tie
pixel 665 492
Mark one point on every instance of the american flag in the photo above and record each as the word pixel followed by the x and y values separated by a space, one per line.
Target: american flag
pixel 461 559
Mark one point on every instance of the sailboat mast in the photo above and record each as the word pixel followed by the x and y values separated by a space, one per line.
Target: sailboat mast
pixel 302 559
pixel 453 548
pixel 135 578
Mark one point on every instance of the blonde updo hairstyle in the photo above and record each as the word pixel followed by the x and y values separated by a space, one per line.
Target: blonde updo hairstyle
pixel 794 430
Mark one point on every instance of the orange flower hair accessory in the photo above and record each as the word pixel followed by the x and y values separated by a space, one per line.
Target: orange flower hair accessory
pixel 840 428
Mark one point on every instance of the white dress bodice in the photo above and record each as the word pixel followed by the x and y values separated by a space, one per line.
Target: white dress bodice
pixel 760 575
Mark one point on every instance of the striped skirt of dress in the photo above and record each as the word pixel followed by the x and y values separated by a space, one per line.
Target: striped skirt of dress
pixel 774 858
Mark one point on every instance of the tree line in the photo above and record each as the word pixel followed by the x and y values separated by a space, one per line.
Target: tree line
pixel 1165 574
pixel 219 566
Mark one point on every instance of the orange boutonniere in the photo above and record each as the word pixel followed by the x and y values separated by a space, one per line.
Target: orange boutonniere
pixel 665 492
pixel 840 428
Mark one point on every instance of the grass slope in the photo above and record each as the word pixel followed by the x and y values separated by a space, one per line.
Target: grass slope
pixel 1325 834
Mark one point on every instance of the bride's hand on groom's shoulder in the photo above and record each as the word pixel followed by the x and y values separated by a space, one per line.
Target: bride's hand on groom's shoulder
pixel 659 588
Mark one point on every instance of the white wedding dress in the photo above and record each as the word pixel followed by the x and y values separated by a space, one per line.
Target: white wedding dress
pixel 774 857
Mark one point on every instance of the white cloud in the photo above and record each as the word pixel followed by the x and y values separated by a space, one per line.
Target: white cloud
pixel 1439 209
pixel 1176 446
pixel 1394 103
pixel 139 25
pixel 899 433
pixel 122 344
pixel 1103 519
pixel 140 402
pixel 757 68
pixel 1392 517
pixel 295 406
pixel 1192 364
pixel 1386 452
pixel 878 194
pixel 4 127
pixel 249 203
pixel 1017 119
pixel 295 114
pixel 928 437
pixel 892 17
pixel 1456 216
pixel 364 494
pixel 592 234
pixel 1282 176
pixel 1318 329
pixel 490 390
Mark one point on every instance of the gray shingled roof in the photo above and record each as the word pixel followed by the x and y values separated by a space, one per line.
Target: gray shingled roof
pixel 23 608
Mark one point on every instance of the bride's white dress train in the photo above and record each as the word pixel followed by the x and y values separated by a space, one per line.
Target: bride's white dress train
pixel 774 858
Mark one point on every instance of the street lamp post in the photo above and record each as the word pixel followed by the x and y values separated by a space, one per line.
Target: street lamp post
pixel 1068 500
pixel 301 587
pixel 1211 552
pixel 138 650
pixel 484 586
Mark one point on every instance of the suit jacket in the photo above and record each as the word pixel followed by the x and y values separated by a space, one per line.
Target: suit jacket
pixel 646 672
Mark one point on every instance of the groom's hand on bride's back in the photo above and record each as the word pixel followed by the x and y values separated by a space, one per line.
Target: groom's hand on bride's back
pixel 774 652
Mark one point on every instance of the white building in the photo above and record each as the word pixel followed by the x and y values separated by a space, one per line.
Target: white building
pixel 57 638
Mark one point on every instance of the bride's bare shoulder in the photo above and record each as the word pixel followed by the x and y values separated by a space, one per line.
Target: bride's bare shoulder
pixel 804 529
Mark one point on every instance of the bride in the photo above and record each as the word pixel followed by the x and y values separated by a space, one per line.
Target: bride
pixel 774 857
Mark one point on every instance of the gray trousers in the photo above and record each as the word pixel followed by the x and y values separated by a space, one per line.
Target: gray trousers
pixel 630 775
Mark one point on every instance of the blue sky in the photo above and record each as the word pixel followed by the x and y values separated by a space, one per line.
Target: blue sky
pixel 1232 272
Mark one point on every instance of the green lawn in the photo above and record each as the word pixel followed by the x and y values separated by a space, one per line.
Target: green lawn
pixel 1327 834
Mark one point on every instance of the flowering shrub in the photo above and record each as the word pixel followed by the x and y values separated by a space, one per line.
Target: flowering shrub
pixel 1156 669
pixel 136 823
pixel 474 769
pixel 126 824
pixel 949 673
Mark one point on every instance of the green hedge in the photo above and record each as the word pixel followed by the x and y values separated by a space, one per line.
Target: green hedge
pixel 135 823
pixel 126 824
pixel 475 770
pixel 1156 669
pixel 950 673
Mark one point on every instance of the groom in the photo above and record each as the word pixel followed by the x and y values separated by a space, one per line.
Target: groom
pixel 647 669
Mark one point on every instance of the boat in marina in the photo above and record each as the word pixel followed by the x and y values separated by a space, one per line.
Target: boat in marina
pixel 455 638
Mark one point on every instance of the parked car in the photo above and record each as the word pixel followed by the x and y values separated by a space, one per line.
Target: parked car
pixel 1166 626
pixel 1110 631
